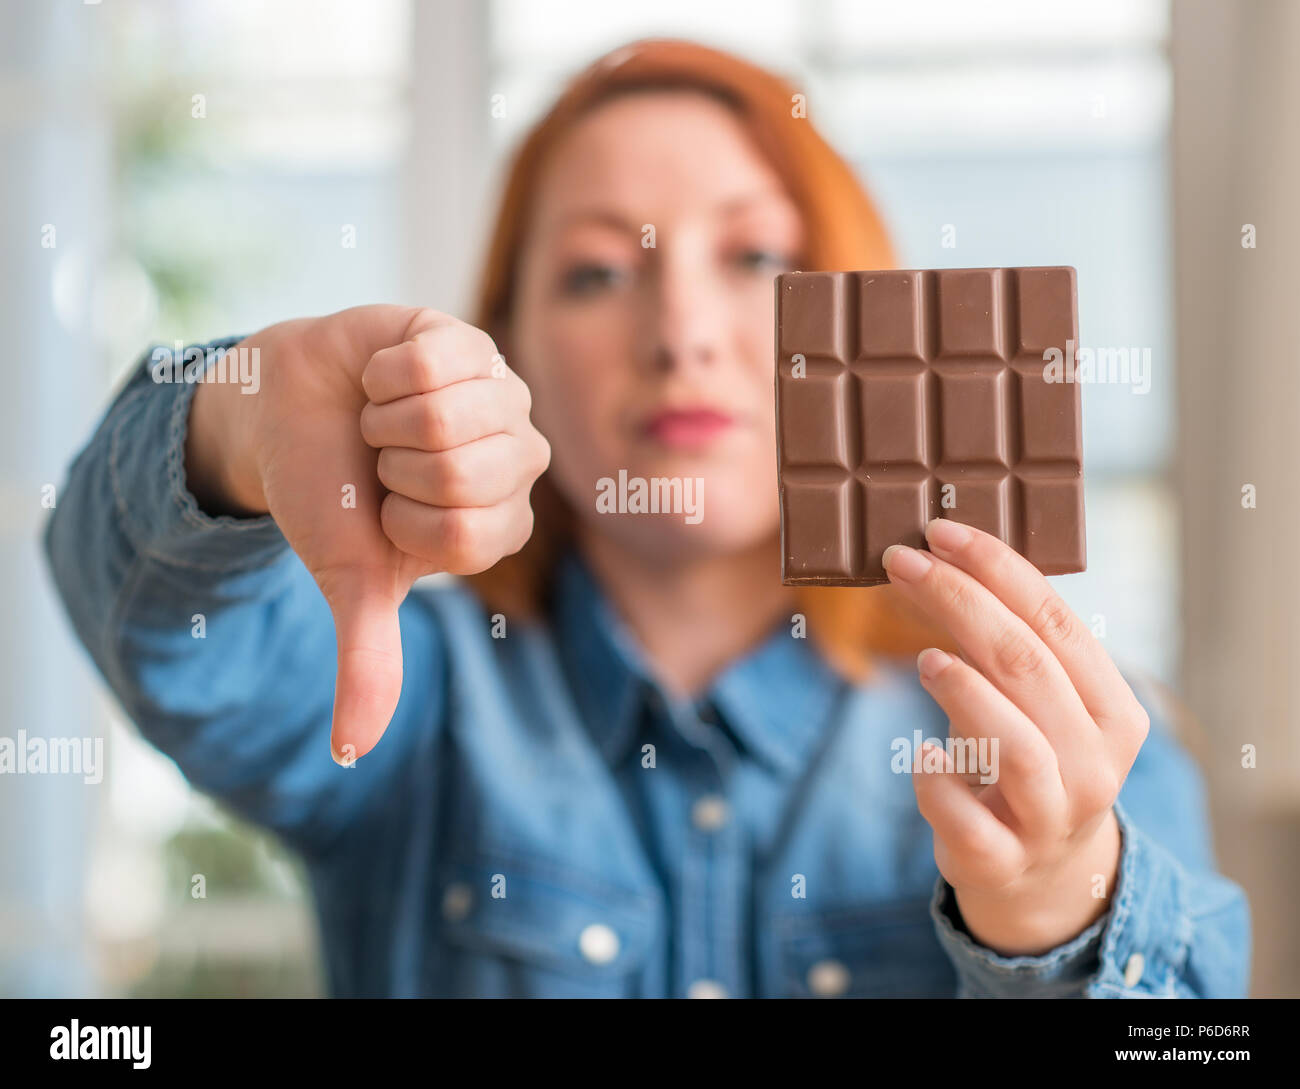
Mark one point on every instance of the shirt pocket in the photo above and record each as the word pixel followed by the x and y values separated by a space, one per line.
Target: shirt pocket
pixel 870 951
pixel 522 928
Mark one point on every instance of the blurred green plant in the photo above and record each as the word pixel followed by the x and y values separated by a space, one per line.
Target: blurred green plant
pixel 244 867
pixel 179 215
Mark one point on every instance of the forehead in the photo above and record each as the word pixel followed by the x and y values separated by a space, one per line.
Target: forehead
pixel 670 151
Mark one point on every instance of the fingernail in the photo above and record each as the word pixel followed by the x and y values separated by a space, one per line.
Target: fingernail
pixel 931 662
pixel 907 564
pixel 338 757
pixel 945 535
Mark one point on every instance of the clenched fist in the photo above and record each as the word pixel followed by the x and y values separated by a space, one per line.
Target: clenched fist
pixel 387 443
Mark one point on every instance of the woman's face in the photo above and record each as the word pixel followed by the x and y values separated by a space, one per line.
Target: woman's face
pixel 643 323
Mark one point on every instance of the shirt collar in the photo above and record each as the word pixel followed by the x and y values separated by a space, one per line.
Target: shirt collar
pixel 776 699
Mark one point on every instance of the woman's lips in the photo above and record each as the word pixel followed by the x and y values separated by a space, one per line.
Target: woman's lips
pixel 687 428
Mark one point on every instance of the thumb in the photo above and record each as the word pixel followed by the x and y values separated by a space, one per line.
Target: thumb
pixel 369 678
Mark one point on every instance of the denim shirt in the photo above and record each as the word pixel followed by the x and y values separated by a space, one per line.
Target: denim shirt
pixel 542 819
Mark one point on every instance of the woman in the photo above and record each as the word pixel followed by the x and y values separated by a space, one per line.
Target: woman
pixel 606 761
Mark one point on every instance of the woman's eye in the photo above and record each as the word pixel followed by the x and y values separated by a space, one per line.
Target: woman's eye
pixel 587 278
pixel 761 259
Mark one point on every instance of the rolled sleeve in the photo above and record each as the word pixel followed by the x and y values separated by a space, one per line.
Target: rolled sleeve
pixel 1168 933
pixel 981 973
pixel 157 511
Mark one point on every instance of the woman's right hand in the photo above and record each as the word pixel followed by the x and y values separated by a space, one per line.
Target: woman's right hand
pixel 387 443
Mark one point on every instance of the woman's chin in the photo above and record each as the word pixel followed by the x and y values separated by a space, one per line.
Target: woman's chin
pixel 725 523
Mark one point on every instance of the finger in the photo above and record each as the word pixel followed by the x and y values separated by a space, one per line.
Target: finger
pixel 978 847
pixel 460 540
pixel 1017 757
pixel 481 473
pixel 1026 592
pixel 443 353
pixel 446 418
pixel 1003 648
pixel 369 678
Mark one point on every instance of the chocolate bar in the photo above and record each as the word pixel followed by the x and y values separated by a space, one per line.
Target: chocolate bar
pixel 906 395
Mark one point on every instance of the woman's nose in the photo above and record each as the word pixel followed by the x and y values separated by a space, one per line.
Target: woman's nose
pixel 685 320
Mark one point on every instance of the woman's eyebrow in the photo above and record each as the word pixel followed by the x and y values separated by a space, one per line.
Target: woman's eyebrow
pixel 741 204
pixel 606 216
pixel 610 217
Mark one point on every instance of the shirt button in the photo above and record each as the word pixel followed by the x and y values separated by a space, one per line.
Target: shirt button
pixel 706 988
pixel 709 813
pixel 598 943
pixel 828 979
pixel 456 902
pixel 1133 969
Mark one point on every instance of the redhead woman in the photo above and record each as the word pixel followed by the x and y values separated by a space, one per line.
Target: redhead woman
pixel 611 754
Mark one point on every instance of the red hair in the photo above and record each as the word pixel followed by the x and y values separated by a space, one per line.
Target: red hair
pixel 843 231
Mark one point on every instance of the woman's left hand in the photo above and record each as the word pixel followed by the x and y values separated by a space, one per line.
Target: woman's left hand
pixel 1033 856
